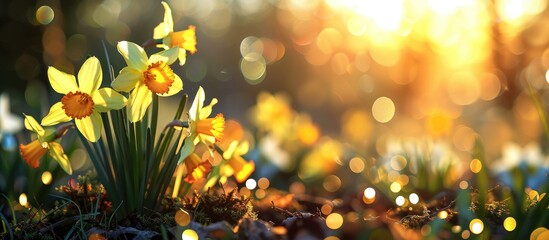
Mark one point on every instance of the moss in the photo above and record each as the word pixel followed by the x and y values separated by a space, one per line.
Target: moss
pixel 212 207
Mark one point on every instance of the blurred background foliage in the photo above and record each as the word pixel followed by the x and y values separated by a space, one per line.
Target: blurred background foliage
pixel 362 70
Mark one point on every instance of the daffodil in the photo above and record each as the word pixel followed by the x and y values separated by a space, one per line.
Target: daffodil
pixel 241 169
pixel 203 129
pixel 233 148
pixel 196 168
pixel 185 40
pixel 146 76
pixel 84 101
pixel 273 114
pixel 35 150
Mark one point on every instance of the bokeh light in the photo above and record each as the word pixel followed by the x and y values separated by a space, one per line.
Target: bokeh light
pixel 475 165
pixel 383 109
pixel 263 183
pixel 442 214
pixel 189 234
pixel 260 193
pixel 96 236
pixel 539 234
pixel 369 193
pixel 398 162
pixel 297 188
pixel 182 218
pixel 356 165
pixel 476 226
pixel 332 183
pixel 326 209
pixel 400 200
pixel 426 230
pixel 414 198
pixel 509 224
pixel 395 187
pixel 46 177
pixel 23 200
pixel 245 191
pixel 44 15
pixel 463 185
pixel 251 184
pixel 334 221
pixel 465 234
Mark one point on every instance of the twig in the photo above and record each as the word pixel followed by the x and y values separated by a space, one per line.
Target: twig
pixel 429 215
pixel 284 211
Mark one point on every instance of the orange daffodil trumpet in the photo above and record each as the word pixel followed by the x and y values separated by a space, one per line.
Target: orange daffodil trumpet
pixel 196 168
pixel 146 76
pixel 35 150
pixel 202 129
pixel 185 40
pixel 84 101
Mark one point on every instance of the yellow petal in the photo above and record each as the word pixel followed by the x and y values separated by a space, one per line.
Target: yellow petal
pixel 168 56
pixel 168 19
pixel 90 75
pixel 206 139
pixel 197 104
pixel 159 31
pixel 106 99
pixel 62 82
pixel 127 79
pixel 56 152
pixel 56 115
pixel 138 102
pixel 90 126
pixel 32 125
pixel 207 110
pixel 182 56
pixel 134 55
pixel 176 87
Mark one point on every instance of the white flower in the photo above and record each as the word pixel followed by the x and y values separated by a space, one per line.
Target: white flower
pixel 9 123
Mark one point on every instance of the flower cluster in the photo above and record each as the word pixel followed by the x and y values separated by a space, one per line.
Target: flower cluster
pixel 93 109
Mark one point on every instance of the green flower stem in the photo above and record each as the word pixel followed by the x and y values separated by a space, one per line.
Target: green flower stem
pixel 123 144
pixel 154 115
pixel 186 187
pixel 101 173
pixel 135 167
pixel 163 163
pixel 62 130
pixel 481 178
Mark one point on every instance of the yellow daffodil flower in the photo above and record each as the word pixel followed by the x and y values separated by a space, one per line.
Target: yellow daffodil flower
pixel 273 114
pixel 241 169
pixel 84 101
pixel 196 168
pixel 234 147
pixel 185 40
pixel 146 76
pixel 203 129
pixel 35 150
